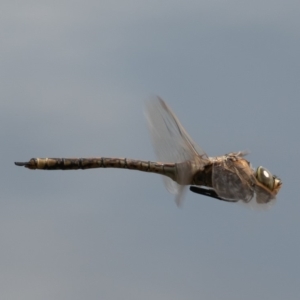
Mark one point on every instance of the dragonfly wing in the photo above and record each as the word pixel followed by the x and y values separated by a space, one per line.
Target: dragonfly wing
pixel 262 200
pixel 172 143
pixel 181 190
pixel 233 179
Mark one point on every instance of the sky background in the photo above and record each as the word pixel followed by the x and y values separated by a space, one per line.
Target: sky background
pixel 75 76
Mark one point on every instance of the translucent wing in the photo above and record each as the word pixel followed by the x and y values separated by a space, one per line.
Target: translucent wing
pixel 262 195
pixel 172 143
pixel 262 199
pixel 233 178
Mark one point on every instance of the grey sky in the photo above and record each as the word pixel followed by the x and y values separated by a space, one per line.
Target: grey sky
pixel 75 76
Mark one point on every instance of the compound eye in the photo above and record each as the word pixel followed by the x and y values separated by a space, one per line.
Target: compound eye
pixel 265 177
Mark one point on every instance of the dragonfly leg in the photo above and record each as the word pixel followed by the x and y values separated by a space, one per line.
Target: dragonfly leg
pixel 208 192
pixel 21 164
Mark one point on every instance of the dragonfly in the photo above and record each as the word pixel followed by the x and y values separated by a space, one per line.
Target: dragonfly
pixel 183 163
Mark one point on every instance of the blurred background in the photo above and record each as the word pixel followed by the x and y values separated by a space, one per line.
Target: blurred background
pixel 75 76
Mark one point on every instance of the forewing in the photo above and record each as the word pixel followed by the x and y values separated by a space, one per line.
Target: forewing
pixel 263 199
pixel 171 142
pixel 233 179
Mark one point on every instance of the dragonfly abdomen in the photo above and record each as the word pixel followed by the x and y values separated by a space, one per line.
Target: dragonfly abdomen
pixel 167 169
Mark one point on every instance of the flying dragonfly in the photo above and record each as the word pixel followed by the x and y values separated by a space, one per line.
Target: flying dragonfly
pixel 183 163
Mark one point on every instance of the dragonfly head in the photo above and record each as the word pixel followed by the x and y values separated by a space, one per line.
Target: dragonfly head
pixel 265 177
